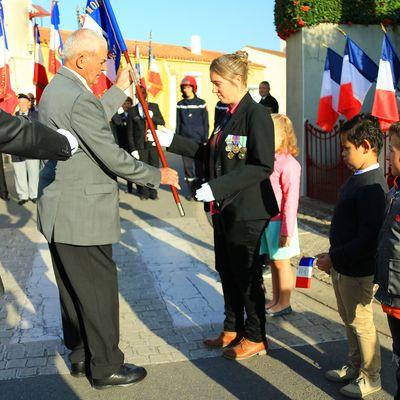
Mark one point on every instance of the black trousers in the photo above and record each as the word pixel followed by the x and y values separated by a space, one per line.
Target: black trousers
pixel 149 156
pixel 237 261
pixel 3 183
pixel 87 280
pixel 394 325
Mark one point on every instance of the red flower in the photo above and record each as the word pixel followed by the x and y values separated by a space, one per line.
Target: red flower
pixel 295 3
pixel 305 8
pixel 300 22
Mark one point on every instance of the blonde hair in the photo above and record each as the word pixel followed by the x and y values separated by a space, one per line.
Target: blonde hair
pixel 284 133
pixel 230 65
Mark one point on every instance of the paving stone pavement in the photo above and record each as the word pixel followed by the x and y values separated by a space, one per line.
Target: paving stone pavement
pixel 170 299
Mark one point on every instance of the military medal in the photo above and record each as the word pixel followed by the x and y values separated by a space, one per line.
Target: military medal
pixel 231 155
pixel 228 147
pixel 241 156
pixel 243 150
pixel 235 149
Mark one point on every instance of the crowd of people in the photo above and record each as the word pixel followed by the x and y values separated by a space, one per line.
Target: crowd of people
pixel 247 175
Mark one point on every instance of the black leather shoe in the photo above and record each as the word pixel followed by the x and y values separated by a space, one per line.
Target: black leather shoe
pixel 33 200
pixel 78 370
pixel 127 375
pixel 22 202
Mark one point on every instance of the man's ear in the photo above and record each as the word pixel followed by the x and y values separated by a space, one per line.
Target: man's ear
pixel 366 145
pixel 80 61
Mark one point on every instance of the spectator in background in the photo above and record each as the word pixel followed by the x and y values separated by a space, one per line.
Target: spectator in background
pixel 32 99
pixel 26 171
pixel 138 146
pixel 119 127
pixel 192 123
pixel 266 99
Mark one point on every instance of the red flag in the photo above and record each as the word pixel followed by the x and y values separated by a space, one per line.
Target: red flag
pixel 39 75
pixel 8 99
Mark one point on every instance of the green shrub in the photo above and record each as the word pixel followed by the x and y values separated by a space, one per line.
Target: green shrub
pixel 292 15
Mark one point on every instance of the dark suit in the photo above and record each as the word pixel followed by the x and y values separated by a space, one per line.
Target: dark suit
pixel 20 136
pixel 32 116
pixel 270 102
pixel 136 133
pixel 246 202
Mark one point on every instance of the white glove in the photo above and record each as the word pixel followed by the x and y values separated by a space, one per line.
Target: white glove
pixel 205 193
pixel 120 110
pixel 165 136
pixel 135 154
pixel 73 143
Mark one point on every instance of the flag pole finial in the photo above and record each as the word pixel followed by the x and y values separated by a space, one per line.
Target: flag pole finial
pixel 383 28
pixel 325 45
pixel 341 31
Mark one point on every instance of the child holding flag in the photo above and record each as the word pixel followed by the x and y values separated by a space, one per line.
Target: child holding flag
pixel 353 239
pixel 388 259
pixel 280 239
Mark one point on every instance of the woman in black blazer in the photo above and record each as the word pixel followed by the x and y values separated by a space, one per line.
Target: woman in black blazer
pixel 239 157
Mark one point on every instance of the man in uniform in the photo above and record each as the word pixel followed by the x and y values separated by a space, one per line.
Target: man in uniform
pixel 138 146
pixel 192 122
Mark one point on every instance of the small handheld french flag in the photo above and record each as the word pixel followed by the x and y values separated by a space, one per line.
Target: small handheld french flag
pixel 304 272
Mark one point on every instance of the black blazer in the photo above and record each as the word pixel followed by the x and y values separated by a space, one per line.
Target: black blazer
pixel 119 128
pixel 242 187
pixel 137 126
pixel 22 137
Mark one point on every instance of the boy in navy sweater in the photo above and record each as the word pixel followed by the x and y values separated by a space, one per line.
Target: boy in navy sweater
pixel 355 225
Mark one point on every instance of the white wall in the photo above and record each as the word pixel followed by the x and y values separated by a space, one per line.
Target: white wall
pixel 20 44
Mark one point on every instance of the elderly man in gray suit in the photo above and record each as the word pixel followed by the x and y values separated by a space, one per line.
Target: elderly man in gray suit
pixel 78 210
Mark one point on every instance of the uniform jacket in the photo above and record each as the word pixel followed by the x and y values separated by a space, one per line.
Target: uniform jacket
pixel 137 126
pixel 192 119
pixel 32 116
pixel 241 187
pixel 119 127
pixel 387 274
pixel 20 136
pixel 78 199
pixel 219 113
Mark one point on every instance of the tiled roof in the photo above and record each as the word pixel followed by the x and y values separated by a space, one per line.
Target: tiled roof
pixel 273 52
pixel 39 11
pixel 159 50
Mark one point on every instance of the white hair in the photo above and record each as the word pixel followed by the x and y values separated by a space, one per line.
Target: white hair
pixel 82 40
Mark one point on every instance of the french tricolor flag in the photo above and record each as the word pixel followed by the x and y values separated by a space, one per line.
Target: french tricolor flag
pixel 359 72
pixel 304 272
pixel 329 99
pixel 385 104
pixel 55 47
pixel 100 18
pixel 39 74
pixel 8 99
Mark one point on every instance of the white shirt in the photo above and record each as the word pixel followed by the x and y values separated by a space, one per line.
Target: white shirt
pixel 81 78
pixel 370 168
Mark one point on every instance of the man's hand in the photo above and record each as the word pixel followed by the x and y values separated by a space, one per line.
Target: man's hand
pixel 284 241
pixel 124 80
pixel 324 262
pixel 169 177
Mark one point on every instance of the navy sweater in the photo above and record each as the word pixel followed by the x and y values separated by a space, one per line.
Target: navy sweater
pixel 356 222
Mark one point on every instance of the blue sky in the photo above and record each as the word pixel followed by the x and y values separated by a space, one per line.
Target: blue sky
pixel 223 25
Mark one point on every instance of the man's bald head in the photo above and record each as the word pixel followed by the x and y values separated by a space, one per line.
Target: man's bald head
pixel 85 52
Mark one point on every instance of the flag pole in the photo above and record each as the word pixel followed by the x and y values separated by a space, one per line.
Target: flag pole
pixel 152 128
pixel 124 50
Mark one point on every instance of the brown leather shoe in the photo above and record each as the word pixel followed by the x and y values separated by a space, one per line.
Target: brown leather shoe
pixel 224 339
pixel 245 349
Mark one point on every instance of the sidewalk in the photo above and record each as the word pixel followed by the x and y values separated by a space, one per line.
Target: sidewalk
pixel 170 299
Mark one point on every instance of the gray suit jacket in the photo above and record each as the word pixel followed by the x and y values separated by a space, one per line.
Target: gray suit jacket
pixel 78 198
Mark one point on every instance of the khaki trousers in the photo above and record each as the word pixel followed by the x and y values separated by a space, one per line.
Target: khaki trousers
pixel 354 300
